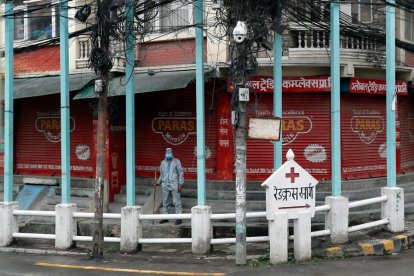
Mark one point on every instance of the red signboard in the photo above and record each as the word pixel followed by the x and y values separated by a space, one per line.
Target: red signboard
pixel 289 84
pixel 378 87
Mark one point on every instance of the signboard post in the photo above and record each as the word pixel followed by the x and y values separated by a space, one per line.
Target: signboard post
pixel 291 190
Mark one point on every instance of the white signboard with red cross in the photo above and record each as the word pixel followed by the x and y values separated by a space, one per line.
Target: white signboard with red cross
pixel 290 189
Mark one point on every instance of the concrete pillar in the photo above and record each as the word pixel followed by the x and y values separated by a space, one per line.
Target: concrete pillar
pixel 131 229
pixel 201 231
pixel 336 219
pixel 302 230
pixel 393 208
pixel 65 227
pixel 8 222
pixel 279 235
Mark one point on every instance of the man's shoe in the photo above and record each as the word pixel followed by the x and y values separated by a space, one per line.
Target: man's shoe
pixel 178 222
pixel 163 221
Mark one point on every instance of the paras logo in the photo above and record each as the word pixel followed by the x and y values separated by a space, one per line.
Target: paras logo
pixel 174 130
pixel 50 127
pixel 367 127
pixel 293 126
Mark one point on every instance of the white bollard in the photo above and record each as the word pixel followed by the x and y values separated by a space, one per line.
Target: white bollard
pixel 302 243
pixel 201 231
pixel 279 238
pixel 131 229
pixel 65 226
pixel 336 219
pixel 8 222
pixel 393 208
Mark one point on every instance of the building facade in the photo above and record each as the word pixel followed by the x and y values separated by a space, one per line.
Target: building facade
pixel 165 99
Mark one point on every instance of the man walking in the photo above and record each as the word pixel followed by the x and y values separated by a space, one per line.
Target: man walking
pixel 172 180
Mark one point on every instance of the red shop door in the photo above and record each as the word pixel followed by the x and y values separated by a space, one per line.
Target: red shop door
pixel 363 136
pixel 306 130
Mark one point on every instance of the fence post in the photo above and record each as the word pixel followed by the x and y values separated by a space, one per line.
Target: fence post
pixel 393 208
pixel 279 238
pixel 65 226
pixel 201 232
pixel 302 233
pixel 8 222
pixel 131 229
pixel 336 219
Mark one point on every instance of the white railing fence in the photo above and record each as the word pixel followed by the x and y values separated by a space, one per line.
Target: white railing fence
pixel 392 215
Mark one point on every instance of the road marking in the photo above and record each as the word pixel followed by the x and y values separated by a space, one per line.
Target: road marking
pixel 138 271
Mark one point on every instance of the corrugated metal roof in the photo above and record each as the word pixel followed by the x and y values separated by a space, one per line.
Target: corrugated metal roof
pixel 41 86
pixel 144 83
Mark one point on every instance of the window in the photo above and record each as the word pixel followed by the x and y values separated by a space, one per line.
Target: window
pixel 365 11
pixel 169 17
pixel 409 26
pixel 35 23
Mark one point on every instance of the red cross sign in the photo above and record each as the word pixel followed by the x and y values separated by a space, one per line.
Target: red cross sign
pixel 292 175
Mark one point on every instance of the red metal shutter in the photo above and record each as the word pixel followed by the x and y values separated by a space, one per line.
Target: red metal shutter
pixel 37 137
pixel 406 106
pixel 306 130
pixel 168 119
pixel 363 136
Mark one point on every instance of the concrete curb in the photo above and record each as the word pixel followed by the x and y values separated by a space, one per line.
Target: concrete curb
pixel 40 251
pixel 366 248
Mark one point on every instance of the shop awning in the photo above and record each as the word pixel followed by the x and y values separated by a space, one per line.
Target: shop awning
pixel 41 86
pixel 144 83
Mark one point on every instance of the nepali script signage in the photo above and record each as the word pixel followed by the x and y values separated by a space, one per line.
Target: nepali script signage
pixel 289 84
pixel 290 189
pixel 377 87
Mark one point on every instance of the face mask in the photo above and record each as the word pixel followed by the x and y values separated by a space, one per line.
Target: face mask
pixel 168 156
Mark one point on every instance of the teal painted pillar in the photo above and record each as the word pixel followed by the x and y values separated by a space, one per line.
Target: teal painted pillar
pixel 64 102
pixel 130 104
pixel 335 100
pixel 391 100
pixel 277 96
pixel 201 157
pixel 8 103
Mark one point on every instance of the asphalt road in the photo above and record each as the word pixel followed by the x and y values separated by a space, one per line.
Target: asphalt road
pixel 181 264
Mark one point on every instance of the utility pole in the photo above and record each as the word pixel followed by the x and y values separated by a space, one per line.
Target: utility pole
pixel 241 145
pixel 100 39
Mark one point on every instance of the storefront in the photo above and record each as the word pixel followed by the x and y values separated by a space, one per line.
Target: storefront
pixel 167 118
pixel 305 124
pixel 38 137
pixel 363 127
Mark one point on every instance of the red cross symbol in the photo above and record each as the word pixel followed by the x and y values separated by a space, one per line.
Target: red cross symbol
pixel 292 175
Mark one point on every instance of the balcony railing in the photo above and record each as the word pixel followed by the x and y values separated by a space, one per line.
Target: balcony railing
pixel 308 42
pixel 85 46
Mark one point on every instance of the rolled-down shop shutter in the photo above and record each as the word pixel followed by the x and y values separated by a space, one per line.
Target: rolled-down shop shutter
pixel 37 137
pixel 363 136
pixel 168 119
pixel 406 112
pixel 306 130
